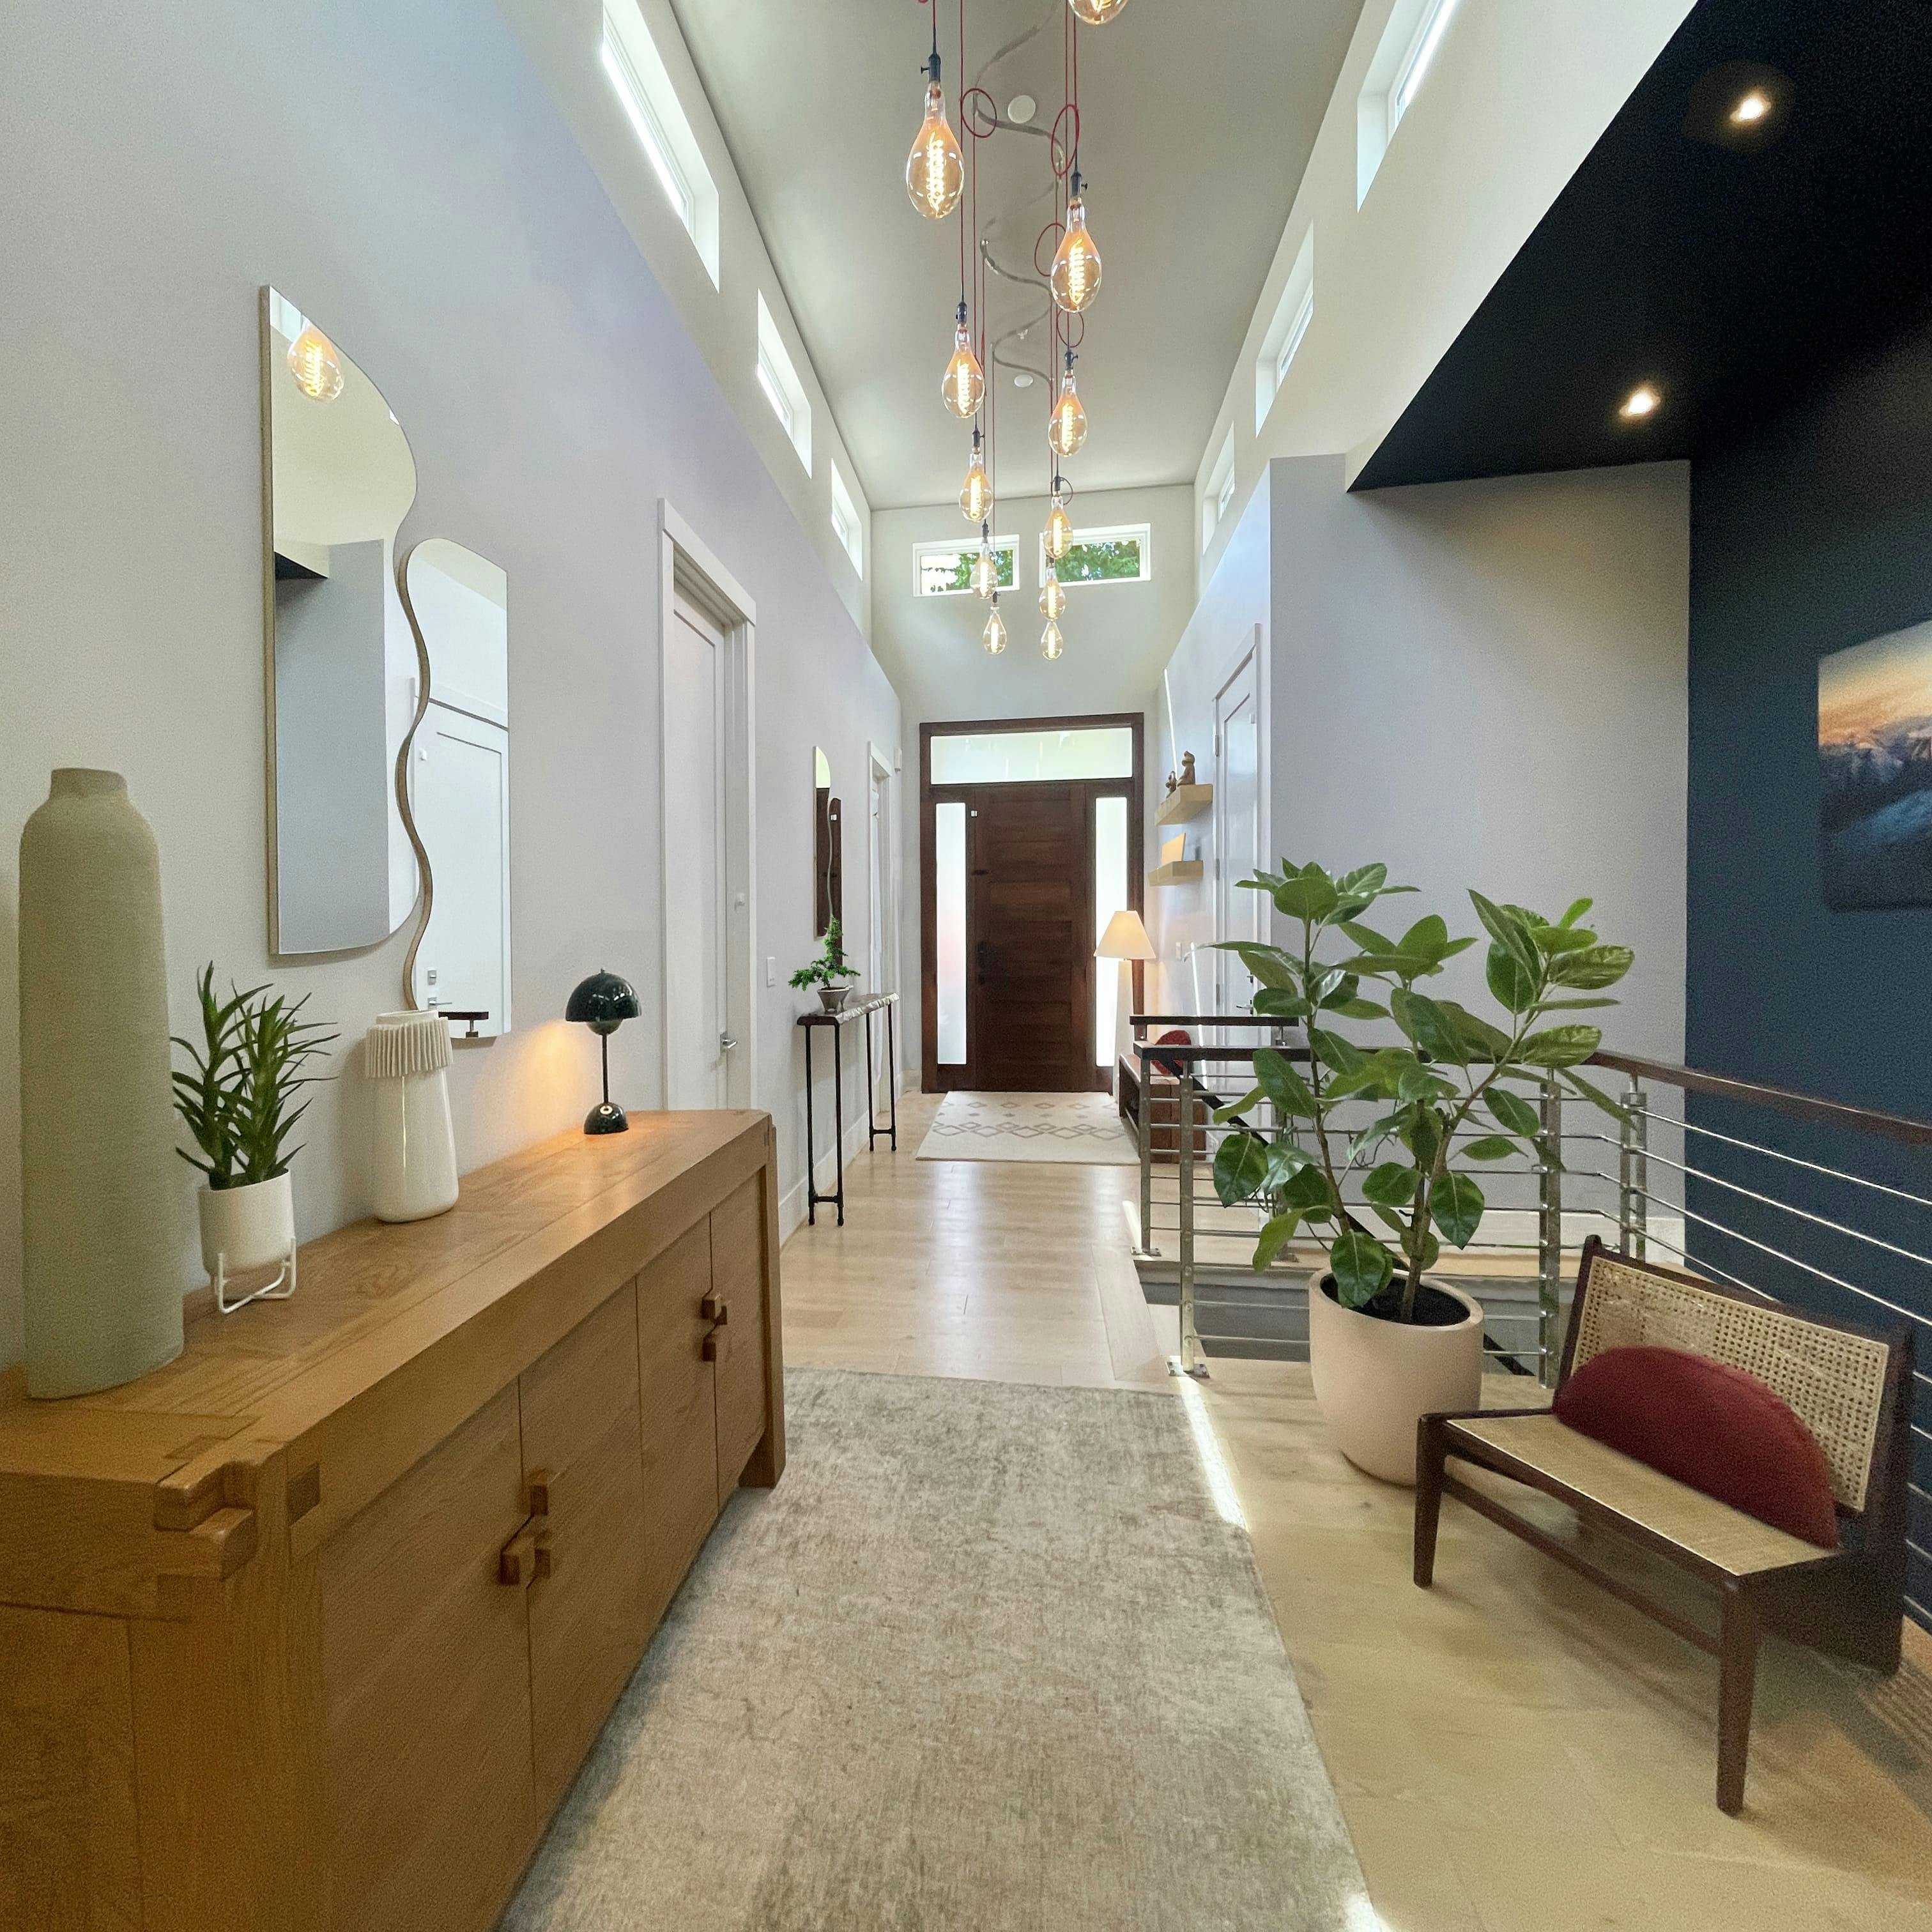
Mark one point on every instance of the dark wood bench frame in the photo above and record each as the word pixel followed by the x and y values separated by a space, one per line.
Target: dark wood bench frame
pixel 1850 1603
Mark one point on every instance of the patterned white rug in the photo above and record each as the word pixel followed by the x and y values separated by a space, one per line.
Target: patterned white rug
pixel 1082 1128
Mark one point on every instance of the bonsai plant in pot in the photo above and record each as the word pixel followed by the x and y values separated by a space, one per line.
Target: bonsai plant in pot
pixel 1450 1092
pixel 829 972
pixel 239 1096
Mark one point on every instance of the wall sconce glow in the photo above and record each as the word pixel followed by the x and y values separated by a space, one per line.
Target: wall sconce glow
pixel 934 172
pixel 964 382
pixel 1642 401
pixel 1751 109
pixel 312 362
pixel 995 636
pixel 1076 266
pixel 1051 643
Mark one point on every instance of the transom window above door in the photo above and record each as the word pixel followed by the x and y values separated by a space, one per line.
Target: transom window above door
pixel 1027 757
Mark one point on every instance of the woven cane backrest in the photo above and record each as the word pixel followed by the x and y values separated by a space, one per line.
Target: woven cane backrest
pixel 1835 1381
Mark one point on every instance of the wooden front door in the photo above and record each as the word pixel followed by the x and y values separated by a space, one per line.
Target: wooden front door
pixel 1029 938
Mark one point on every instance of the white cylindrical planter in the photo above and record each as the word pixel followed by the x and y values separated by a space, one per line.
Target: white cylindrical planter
pixel 250 1227
pixel 102 1192
pixel 1375 1380
pixel 414 1148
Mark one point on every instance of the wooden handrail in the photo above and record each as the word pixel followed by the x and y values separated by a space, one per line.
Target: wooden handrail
pixel 1779 1099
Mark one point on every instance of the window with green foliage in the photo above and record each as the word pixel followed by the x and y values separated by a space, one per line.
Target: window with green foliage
pixel 1105 556
pixel 945 570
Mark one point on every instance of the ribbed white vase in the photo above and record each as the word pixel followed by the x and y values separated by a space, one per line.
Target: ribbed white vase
pixel 406 1058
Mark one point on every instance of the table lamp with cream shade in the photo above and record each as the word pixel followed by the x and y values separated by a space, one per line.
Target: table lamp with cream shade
pixel 1126 939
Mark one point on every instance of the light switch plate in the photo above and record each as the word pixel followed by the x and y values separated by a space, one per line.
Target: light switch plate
pixel 771 969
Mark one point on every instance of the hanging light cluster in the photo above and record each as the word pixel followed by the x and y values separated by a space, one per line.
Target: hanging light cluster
pixel 942 180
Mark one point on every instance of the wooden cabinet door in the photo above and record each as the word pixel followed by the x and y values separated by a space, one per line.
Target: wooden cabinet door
pixel 680 1444
pixel 742 1345
pixel 587 1627
pixel 426 1691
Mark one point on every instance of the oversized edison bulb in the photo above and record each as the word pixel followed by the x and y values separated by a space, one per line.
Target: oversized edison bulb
pixel 1098 12
pixel 995 636
pixel 1076 268
pixel 1052 595
pixel 312 361
pixel 1068 429
pixel 986 569
pixel 964 382
pixel 976 500
pixel 934 172
pixel 1051 643
pixel 1059 531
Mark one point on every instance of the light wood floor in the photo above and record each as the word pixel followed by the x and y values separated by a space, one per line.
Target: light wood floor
pixel 1515 1752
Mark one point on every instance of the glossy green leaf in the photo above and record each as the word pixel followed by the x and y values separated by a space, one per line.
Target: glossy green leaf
pixel 1506 927
pixel 1282 1084
pixel 1513 985
pixel 1593 967
pixel 1393 1184
pixel 1455 1207
pixel 1429 1025
pixel 1241 1167
pixel 1595 1094
pixel 1561 1045
pixel 1512 1111
pixel 1491 1146
pixel 1275 1236
pixel 1362 1267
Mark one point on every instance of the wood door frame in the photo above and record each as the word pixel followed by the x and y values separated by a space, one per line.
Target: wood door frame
pixel 687 568
pixel 1135 783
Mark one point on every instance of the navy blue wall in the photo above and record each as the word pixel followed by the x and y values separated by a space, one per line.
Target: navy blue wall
pixel 1811 532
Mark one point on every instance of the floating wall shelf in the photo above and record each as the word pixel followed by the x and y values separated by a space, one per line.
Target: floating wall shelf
pixel 1176 872
pixel 1183 803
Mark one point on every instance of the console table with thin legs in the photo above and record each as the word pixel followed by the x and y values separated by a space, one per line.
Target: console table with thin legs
pixel 876 1129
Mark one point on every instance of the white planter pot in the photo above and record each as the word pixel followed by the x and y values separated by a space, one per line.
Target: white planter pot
pixel 1375 1379
pixel 250 1227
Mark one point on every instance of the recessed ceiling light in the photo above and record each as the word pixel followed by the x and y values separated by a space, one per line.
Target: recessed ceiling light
pixel 1021 108
pixel 1752 108
pixel 1023 381
pixel 1642 401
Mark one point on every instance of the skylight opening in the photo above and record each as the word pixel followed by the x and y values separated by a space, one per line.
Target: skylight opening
pixel 1294 314
pixel 1402 62
pixel 642 84
pixel 778 378
pixel 845 524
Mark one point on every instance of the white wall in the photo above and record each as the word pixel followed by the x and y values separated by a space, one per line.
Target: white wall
pixel 401 173
pixel 1518 92
pixel 1480 684
pixel 562 38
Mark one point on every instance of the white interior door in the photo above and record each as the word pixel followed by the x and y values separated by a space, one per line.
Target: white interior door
pixel 461 805
pixel 694 871
pixel 880 978
pixel 1238 831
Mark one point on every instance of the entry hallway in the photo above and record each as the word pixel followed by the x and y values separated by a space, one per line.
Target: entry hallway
pixel 1513 1750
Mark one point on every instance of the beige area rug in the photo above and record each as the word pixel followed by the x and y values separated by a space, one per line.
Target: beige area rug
pixel 1082 1128
pixel 986 1661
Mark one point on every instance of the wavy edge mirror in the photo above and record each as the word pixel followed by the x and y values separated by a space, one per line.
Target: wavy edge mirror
pixel 474 710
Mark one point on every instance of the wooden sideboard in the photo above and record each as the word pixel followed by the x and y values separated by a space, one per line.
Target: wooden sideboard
pixel 309 1630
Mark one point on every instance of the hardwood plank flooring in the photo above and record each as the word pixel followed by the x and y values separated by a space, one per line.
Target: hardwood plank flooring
pixel 1514 1751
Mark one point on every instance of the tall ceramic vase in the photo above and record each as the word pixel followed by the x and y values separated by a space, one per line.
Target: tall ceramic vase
pixel 407 1060
pixel 101 1192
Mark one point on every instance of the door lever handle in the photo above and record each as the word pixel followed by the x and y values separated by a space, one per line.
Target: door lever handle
pixel 726 1042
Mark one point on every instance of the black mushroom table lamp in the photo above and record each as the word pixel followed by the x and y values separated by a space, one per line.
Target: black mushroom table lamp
pixel 603 1003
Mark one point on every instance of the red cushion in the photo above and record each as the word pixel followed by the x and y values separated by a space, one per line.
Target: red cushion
pixel 1174 1036
pixel 1712 1427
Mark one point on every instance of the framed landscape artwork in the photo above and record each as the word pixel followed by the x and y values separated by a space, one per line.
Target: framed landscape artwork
pixel 1875 771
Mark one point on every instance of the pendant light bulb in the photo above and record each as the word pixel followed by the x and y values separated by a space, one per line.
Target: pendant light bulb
pixel 1052 595
pixel 975 499
pixel 964 382
pixel 1098 12
pixel 986 567
pixel 1076 267
pixel 995 636
pixel 1068 429
pixel 934 172
pixel 312 361
pixel 1051 643
pixel 1059 528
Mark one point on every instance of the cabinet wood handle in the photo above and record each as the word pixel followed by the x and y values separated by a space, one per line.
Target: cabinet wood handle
pixel 517 1560
pixel 715 1346
pixel 715 1310
pixel 536 1491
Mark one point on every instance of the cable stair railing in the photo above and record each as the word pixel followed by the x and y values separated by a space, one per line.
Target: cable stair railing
pixel 1790 1197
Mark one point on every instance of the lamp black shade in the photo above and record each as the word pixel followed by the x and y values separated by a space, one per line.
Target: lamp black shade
pixel 603 1003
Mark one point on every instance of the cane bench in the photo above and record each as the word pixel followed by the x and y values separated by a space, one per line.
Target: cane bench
pixel 1850 1386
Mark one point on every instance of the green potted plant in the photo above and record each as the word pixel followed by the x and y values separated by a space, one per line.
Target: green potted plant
pixel 1450 1092
pixel 829 972
pixel 239 1096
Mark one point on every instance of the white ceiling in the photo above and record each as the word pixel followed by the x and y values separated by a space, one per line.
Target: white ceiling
pixel 1199 115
